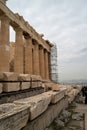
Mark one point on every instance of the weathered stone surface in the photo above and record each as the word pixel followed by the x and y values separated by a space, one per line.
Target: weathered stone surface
pixel 24 77
pixel 55 87
pixel 12 86
pixel 67 88
pixel 56 96
pixel 1 76
pixel 47 86
pixel 38 104
pixel 36 81
pixel 17 95
pixel 39 81
pixel 72 94
pixel 45 119
pixel 5 108
pixel 13 117
pixel 1 87
pixel 25 85
pixel 10 76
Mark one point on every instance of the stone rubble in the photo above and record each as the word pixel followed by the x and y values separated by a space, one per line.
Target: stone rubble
pixel 69 119
pixel 77 116
pixel 59 123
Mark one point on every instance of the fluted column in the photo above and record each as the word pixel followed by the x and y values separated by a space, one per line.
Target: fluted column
pixel 28 57
pixel 49 65
pixel 0 32
pixel 36 59
pixel 4 44
pixel 46 65
pixel 19 51
pixel 41 62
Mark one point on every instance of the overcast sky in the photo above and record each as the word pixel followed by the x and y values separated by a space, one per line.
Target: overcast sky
pixel 63 22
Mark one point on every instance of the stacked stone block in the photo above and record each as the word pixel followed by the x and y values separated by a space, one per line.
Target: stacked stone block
pixel 14 86
pixel 24 77
pixel 10 81
pixel 36 81
pixel 27 111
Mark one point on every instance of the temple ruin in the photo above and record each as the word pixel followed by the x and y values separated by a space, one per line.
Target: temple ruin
pixel 32 52
pixel 30 96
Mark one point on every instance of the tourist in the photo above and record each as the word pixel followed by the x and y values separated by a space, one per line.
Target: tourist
pixel 83 91
pixel 86 96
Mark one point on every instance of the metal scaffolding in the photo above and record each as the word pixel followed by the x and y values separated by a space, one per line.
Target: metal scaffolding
pixel 54 64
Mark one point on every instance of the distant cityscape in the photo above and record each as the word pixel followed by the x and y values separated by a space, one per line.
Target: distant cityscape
pixel 80 81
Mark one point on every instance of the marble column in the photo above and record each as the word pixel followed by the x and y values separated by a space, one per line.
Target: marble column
pixel 41 62
pixel 36 58
pixel 46 65
pixel 4 44
pixel 0 32
pixel 28 57
pixel 49 64
pixel 19 51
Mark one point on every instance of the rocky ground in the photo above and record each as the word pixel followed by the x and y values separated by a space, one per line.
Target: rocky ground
pixel 73 118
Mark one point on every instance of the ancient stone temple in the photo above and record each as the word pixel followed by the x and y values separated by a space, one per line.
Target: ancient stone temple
pixel 30 97
pixel 31 53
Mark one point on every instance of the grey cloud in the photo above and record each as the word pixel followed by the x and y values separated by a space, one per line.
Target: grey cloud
pixel 83 51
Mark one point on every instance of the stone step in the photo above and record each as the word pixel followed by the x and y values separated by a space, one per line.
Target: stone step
pixel 38 104
pixel 13 117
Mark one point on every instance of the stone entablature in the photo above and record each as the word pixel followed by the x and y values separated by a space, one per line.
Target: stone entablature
pixel 3 1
